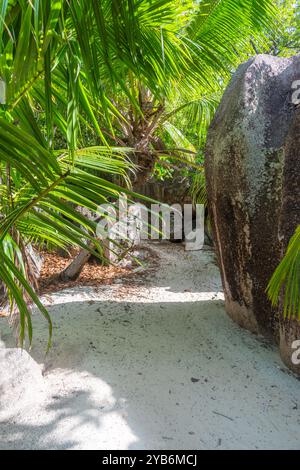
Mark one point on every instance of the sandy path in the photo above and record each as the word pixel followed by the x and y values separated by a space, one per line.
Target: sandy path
pixel 155 365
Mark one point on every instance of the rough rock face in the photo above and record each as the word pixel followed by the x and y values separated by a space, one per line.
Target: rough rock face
pixel 290 219
pixel 246 160
pixel 21 380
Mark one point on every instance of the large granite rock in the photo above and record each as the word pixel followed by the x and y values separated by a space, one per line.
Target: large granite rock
pixel 290 219
pixel 248 170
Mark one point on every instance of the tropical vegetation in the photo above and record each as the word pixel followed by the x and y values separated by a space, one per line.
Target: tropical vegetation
pixel 98 96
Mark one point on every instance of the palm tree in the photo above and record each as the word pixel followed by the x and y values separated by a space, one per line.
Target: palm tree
pixel 86 84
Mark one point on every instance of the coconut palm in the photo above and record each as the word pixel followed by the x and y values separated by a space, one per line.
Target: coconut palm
pixel 84 83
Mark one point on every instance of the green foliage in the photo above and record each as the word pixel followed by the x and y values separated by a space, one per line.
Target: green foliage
pixel 286 280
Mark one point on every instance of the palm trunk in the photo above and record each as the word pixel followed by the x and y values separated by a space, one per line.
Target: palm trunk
pixel 73 270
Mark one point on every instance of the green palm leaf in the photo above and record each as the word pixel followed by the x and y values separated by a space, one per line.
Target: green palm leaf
pixel 286 280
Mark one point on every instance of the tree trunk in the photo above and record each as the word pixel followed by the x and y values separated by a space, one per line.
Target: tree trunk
pixel 74 269
pixel 246 157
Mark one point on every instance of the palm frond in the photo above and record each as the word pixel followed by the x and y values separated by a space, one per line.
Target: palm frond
pixel 286 280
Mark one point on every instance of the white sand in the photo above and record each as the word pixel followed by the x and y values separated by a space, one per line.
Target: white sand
pixel 155 365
